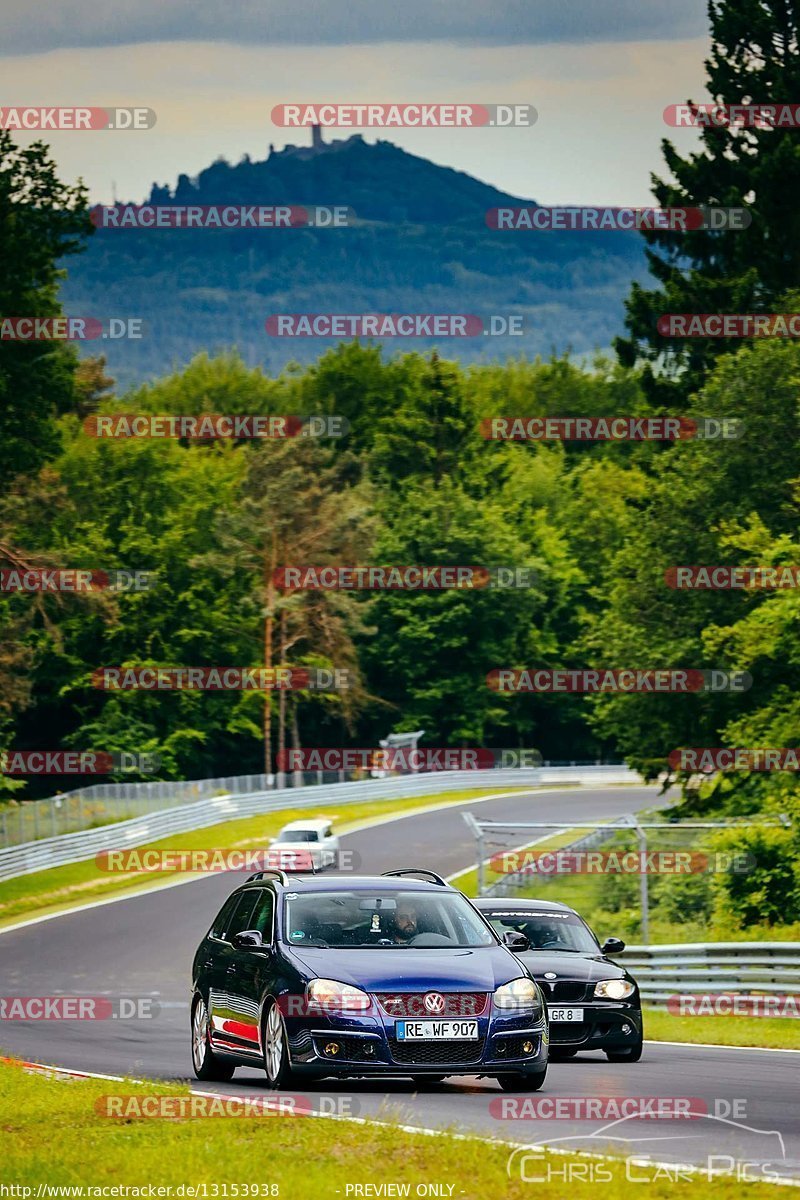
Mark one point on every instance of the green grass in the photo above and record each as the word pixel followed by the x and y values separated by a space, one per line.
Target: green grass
pixel 54 1135
pixel 783 1033
pixel 61 887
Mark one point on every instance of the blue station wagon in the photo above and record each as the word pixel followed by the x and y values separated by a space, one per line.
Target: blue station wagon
pixel 395 974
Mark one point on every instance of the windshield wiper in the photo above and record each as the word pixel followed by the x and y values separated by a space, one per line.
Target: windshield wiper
pixel 559 950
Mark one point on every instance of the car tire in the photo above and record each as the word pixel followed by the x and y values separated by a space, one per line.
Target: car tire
pixel 276 1048
pixel 630 1054
pixel 207 1066
pixel 523 1081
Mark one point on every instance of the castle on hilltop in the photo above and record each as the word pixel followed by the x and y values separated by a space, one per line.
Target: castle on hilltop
pixel 317 145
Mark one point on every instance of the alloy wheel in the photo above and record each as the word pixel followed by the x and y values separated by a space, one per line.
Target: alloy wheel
pixel 199 1035
pixel 273 1043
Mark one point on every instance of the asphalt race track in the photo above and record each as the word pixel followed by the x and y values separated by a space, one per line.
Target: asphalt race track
pixel 143 946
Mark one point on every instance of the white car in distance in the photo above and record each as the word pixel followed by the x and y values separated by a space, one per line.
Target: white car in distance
pixel 305 846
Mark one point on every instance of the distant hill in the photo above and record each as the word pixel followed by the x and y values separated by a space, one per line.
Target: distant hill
pixel 420 243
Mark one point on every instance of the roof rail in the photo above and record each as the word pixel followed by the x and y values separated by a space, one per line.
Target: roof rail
pixel 281 876
pixel 432 876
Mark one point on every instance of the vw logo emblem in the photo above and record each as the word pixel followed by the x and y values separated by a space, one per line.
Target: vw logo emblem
pixel 434 1002
pixel 550 975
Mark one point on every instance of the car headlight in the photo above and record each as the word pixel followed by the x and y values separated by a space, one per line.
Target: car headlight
pixel 332 996
pixel 519 993
pixel 614 989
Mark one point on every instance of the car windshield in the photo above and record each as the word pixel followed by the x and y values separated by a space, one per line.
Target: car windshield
pixel 297 835
pixel 563 931
pixel 385 918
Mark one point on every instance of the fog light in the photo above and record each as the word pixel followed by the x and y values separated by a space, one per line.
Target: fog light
pixel 501 1048
pixel 527 1047
pixel 369 1049
pixel 626 1029
pixel 332 1048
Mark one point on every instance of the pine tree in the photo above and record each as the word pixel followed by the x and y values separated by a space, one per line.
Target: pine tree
pixel 755 58
pixel 41 221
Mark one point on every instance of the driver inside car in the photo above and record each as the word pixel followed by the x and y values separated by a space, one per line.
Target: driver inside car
pixel 406 923
pixel 541 936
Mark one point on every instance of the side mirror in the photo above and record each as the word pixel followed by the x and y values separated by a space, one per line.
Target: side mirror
pixel 248 939
pixel 516 942
pixel 613 946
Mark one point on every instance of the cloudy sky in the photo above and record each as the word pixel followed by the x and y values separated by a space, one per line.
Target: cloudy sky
pixel 599 74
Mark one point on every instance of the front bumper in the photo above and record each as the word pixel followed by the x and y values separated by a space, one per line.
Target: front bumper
pixel 365 1045
pixel 606 1025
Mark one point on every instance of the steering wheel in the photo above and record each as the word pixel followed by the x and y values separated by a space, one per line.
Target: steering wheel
pixel 430 940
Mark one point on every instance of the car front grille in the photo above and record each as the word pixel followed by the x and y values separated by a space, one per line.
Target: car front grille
pixel 563 991
pixel 435 1053
pixel 412 1004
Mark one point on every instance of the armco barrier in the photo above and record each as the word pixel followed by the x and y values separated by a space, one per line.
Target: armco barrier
pixel 75 847
pixel 101 803
pixel 715 968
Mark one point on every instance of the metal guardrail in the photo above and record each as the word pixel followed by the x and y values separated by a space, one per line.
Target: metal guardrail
pixel 714 968
pixel 75 847
pixel 102 803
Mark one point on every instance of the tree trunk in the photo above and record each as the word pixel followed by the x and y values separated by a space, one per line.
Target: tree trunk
pixel 269 622
pixel 298 779
pixel 282 707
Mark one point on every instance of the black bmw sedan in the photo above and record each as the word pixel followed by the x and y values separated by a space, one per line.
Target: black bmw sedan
pixel 593 1003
